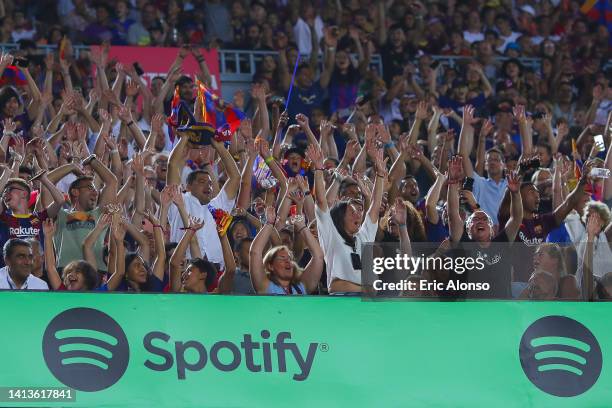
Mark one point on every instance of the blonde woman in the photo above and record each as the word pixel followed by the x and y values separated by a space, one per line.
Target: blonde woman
pixel 276 273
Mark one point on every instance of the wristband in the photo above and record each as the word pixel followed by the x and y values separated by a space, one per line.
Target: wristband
pixel 307 193
pixel 401 225
pixel 9 133
pixel 319 169
pixel 389 145
pixel 300 230
pixel 268 160
pixel 201 59
pixel 381 175
pixel 182 228
pixel 130 123
pixel 114 151
pixel 159 226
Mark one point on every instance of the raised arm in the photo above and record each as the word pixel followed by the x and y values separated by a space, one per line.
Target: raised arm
pixel 524 129
pixel 176 162
pixel 516 206
pixel 380 165
pixel 400 214
pixel 160 249
pixel 431 200
pixel 50 264
pixel 256 265
pixel 233 175
pixel 108 194
pixel 314 154
pixel 58 196
pixel 177 258
pixel 90 240
pixel 226 281
pixel 312 273
pixel 485 130
pixel 455 177
pixel 466 139
pixel 329 58
pixel 574 197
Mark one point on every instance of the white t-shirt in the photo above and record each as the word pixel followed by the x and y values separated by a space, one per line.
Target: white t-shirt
pixel 602 255
pixel 338 254
pixel 31 283
pixel 472 37
pixel 207 236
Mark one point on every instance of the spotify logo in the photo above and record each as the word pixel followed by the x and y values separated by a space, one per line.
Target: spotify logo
pixel 85 349
pixel 560 356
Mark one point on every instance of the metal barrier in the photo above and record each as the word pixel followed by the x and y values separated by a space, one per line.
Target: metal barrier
pixel 241 65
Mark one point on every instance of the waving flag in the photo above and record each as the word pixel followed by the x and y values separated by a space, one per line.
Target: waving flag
pixel 62 48
pixel 12 76
pixel 599 11
pixel 215 111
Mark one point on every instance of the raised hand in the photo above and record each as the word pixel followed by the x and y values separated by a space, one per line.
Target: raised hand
pixel 326 128
pixel 379 164
pixel 519 112
pixel 157 122
pixel 48 227
pixel 297 196
pixel 165 197
pixel 6 59
pixel 263 147
pixel 315 155
pixel 283 119
pixel 399 212
pixel 349 129
pixel 562 130
pixel 9 125
pixel 302 121
pixel 486 128
pixel 302 183
pixel 421 111
pixel 125 114
pixel 514 182
pixel 594 225
pixel 352 150
pixel 468 115
pixel 138 164
pixel 455 169
pixel 132 88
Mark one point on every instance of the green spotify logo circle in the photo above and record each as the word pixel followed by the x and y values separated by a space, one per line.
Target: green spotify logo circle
pixel 560 356
pixel 85 349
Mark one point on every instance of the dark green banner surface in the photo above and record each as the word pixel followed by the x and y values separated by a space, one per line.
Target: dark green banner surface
pixel 119 350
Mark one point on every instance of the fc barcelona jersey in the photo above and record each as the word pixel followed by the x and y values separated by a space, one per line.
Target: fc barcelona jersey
pixel 22 226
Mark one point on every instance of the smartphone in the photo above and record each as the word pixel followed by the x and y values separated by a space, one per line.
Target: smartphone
pixel 435 64
pixel 22 62
pixel 468 184
pixel 598 139
pixel 138 69
pixel 538 115
pixel 293 210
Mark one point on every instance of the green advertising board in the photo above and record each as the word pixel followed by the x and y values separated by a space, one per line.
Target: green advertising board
pixel 118 350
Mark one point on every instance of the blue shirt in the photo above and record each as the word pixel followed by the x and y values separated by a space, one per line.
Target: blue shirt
pixel 305 100
pixel 489 194
pixel 274 289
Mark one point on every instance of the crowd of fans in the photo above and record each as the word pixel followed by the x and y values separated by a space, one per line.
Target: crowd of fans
pixel 100 192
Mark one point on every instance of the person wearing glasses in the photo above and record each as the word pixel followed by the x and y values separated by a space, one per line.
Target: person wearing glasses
pixel 87 203
pixel 16 219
